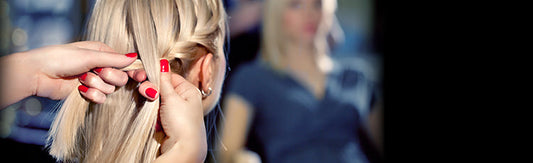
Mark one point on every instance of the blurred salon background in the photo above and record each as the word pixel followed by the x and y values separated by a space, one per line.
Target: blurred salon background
pixel 269 129
pixel 25 25
pixel 356 39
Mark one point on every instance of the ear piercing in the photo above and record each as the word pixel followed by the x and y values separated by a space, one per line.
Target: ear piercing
pixel 204 95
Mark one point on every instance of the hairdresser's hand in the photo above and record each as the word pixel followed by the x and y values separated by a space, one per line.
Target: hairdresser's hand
pixel 52 71
pixel 146 88
pixel 181 116
pixel 104 80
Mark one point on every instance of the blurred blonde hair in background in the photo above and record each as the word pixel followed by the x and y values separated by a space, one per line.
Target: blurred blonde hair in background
pixel 274 40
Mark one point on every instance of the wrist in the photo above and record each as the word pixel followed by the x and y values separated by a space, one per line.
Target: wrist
pixel 18 78
pixel 26 73
pixel 185 151
pixel 191 147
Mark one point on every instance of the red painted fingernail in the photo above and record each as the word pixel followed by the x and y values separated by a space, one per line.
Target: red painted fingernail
pixel 151 92
pixel 164 65
pixel 82 77
pixel 83 88
pixel 132 55
pixel 98 70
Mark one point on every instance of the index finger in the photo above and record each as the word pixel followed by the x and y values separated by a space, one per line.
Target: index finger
pixel 93 59
pixel 93 45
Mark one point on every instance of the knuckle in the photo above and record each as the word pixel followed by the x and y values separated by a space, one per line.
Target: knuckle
pixel 99 45
pixel 106 74
pixel 96 96
pixel 102 99
pixel 90 95
pixel 92 80
pixel 109 89
pixel 169 94
pixel 123 80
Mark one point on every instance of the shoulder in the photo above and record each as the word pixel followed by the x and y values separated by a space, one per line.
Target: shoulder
pixel 249 76
pixel 249 80
pixel 367 67
pixel 357 76
pixel 254 70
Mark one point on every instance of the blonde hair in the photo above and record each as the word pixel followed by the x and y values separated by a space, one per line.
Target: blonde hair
pixel 123 128
pixel 274 41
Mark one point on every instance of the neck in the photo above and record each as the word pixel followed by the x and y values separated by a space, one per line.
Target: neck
pixel 300 56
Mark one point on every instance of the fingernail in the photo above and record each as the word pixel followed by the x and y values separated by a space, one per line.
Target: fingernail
pixel 132 55
pixel 82 77
pixel 164 65
pixel 98 70
pixel 151 92
pixel 83 88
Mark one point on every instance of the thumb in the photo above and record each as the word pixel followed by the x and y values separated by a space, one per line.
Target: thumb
pixel 93 45
pixel 167 90
pixel 175 84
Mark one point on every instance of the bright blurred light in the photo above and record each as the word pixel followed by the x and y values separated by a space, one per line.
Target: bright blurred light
pixel 32 106
pixel 19 37
pixel 7 117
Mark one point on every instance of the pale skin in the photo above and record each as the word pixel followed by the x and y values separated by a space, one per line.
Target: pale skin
pixel 184 128
pixel 53 71
pixel 300 22
pixel 185 139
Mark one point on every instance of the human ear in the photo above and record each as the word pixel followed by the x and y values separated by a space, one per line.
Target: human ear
pixel 205 75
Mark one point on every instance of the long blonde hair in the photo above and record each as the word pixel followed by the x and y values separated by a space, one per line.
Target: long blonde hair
pixel 122 129
pixel 274 41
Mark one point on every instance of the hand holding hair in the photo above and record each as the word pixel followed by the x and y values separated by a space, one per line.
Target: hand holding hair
pixel 104 80
pixel 51 72
pixel 181 116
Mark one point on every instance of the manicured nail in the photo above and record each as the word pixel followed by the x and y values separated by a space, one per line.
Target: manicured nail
pixel 164 65
pixel 151 92
pixel 82 77
pixel 83 88
pixel 98 70
pixel 132 55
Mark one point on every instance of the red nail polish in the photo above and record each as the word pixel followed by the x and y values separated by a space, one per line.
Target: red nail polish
pixel 83 88
pixel 151 92
pixel 82 77
pixel 98 70
pixel 132 55
pixel 164 65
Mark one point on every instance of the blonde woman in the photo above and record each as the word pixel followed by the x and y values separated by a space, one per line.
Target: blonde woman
pixel 179 46
pixel 295 103
pixel 34 73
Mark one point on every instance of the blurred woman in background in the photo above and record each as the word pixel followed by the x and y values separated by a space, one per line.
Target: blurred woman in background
pixel 295 103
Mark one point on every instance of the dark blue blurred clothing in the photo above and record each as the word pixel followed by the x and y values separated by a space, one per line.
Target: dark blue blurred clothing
pixel 291 125
pixel 27 122
pixel 33 129
pixel 228 4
